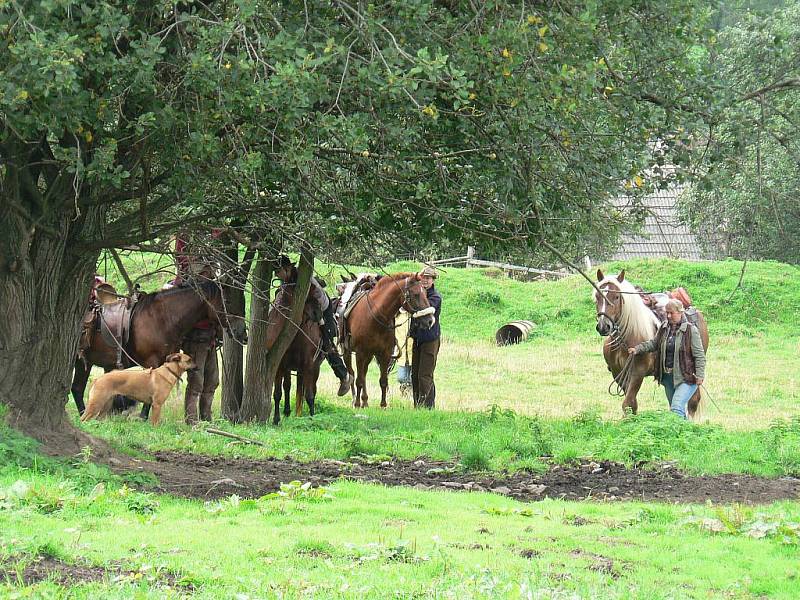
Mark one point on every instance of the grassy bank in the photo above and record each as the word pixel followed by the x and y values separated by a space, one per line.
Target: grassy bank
pixel 366 541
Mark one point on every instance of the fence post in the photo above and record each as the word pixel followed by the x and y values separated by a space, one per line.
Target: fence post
pixel 470 255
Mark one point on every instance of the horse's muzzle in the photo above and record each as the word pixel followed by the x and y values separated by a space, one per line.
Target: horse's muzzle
pixel 425 322
pixel 603 326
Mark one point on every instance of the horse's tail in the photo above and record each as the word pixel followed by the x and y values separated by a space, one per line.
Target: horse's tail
pixel 694 402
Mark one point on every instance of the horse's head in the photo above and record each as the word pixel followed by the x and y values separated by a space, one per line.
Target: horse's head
pixel 609 302
pixel 285 270
pixel 235 325
pixel 415 302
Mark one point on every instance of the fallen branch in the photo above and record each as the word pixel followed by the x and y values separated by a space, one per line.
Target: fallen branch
pixel 234 436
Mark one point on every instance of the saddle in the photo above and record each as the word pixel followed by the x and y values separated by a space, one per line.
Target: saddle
pixel 656 303
pixel 342 315
pixel 350 293
pixel 112 319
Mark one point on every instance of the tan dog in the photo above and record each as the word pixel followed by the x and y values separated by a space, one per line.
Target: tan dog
pixel 151 386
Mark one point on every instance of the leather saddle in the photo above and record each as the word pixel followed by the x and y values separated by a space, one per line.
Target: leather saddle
pixel 112 317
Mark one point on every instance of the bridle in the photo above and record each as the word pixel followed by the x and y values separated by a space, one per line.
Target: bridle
pixel 616 338
pixel 405 304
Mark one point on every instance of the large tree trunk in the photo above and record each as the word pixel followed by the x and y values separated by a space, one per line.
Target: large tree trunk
pixel 44 286
pixel 257 398
pixel 232 349
pixel 258 406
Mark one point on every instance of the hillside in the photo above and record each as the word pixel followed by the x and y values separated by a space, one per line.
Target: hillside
pixel 478 301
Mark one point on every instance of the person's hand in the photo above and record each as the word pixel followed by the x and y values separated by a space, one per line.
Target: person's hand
pixel 632 351
pixel 699 382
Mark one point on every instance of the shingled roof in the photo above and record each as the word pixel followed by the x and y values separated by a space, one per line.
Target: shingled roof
pixel 663 234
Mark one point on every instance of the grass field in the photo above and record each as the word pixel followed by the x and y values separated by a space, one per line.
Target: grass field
pixel 367 541
pixel 498 409
pixel 556 383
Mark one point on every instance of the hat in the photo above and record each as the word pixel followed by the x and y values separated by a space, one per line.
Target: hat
pixel 429 271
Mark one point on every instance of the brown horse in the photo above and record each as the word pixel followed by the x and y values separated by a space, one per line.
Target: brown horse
pixel 370 328
pixel 625 321
pixel 304 355
pixel 159 323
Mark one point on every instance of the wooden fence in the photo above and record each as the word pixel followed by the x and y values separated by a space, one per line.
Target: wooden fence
pixel 469 260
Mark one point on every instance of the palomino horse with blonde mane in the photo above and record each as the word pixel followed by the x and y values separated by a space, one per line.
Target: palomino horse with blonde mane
pixel 625 321
pixel 370 328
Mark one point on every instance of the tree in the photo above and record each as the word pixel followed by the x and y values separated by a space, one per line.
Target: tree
pixel 399 123
pixel 747 203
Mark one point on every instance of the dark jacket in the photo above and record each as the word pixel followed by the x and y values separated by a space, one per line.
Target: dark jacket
pixel 690 358
pixel 422 336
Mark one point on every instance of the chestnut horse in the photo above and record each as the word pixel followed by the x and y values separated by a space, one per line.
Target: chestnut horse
pixel 370 328
pixel 304 355
pixel 159 323
pixel 625 321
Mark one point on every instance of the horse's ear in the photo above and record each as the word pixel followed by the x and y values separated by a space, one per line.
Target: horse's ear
pixel 344 280
pixel 600 275
pixel 621 276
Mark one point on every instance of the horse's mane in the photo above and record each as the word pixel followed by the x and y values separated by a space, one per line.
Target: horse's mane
pixel 393 278
pixel 635 319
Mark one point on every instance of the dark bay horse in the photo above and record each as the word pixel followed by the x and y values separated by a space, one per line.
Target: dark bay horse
pixel 159 323
pixel 370 328
pixel 626 321
pixel 304 355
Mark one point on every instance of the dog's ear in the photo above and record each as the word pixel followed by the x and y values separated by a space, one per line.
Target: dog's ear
pixel 174 357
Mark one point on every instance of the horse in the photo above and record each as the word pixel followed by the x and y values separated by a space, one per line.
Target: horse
pixel 304 355
pixel 625 321
pixel 369 330
pixel 159 323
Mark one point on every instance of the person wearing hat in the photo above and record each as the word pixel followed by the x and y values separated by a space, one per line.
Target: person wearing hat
pixel 680 359
pixel 425 348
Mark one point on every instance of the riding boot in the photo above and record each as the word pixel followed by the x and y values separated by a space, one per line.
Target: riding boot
pixel 206 400
pixel 430 399
pixel 190 407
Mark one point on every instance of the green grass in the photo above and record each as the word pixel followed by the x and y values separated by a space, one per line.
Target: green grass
pixel 375 542
pixel 497 409
pixel 496 439
pixel 552 388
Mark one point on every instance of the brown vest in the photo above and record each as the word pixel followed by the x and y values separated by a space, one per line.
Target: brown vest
pixel 685 355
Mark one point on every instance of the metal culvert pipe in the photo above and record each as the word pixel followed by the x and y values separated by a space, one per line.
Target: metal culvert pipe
pixel 514 332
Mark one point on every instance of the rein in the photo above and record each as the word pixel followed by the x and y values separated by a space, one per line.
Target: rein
pixel 392 326
pixel 622 379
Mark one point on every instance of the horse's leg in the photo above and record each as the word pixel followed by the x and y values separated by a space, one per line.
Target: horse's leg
pixel 383 364
pixel 630 404
pixel 362 363
pixel 276 396
pixel 694 403
pixel 287 393
pixel 145 411
pixel 310 385
pixel 298 399
pixel 348 362
pixel 79 380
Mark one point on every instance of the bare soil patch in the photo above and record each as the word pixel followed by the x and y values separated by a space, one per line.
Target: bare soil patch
pixel 47 568
pixel 26 570
pixel 214 477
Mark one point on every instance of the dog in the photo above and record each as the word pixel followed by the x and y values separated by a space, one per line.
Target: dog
pixel 151 386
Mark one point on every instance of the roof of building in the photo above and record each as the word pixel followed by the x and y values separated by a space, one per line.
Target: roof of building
pixel 663 233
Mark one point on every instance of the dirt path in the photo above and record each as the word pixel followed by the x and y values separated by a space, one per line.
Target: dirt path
pixel 209 477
